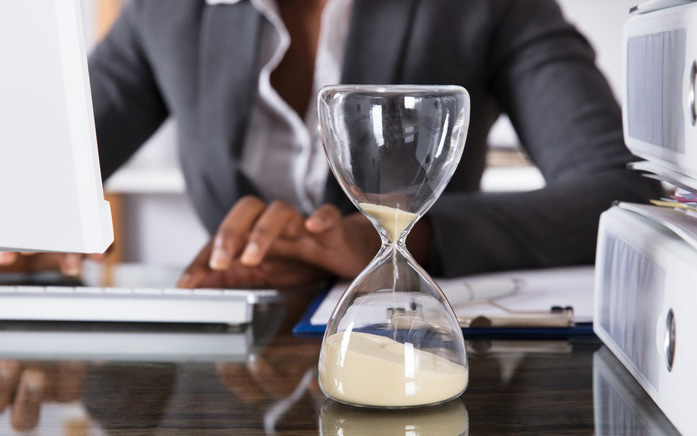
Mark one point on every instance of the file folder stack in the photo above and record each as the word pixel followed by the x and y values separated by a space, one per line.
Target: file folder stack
pixel 646 263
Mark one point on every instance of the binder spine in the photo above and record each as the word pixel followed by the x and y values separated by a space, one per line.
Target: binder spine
pixel 633 285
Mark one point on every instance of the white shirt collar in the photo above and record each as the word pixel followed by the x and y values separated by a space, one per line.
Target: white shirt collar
pixel 222 2
pixel 266 7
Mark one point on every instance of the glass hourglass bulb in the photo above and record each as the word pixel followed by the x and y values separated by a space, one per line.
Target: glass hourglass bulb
pixel 393 339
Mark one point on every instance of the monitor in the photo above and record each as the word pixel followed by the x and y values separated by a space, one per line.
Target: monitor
pixel 51 194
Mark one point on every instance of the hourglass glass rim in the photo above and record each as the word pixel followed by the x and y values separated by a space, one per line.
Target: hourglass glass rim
pixel 396 90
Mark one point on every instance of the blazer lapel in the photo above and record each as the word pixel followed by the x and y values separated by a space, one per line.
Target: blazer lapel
pixel 228 51
pixel 375 49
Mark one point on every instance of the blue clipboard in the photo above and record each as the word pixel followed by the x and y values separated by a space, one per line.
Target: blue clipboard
pixel 305 329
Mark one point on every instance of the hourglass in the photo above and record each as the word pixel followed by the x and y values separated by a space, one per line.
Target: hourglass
pixel 393 339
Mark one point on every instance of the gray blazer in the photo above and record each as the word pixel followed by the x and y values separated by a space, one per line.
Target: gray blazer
pixel 197 63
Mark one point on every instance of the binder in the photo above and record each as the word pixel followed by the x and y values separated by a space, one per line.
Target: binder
pixel 645 274
pixel 659 101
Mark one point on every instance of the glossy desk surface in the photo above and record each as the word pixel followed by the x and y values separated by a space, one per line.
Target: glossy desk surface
pixel 262 380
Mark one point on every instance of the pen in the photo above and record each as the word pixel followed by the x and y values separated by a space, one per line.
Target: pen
pixel 492 288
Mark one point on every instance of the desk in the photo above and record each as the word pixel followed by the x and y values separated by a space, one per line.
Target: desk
pixel 516 389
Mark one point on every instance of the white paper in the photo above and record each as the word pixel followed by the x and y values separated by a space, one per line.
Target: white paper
pixel 662 172
pixel 680 222
pixel 540 290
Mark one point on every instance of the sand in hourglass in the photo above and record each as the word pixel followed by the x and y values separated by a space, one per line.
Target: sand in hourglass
pixel 393 220
pixel 372 370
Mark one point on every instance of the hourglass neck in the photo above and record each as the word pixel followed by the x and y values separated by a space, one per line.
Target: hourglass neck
pixel 392 223
pixel 392 249
pixel 387 244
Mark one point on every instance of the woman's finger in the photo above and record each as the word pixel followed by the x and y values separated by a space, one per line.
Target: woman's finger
pixel 7 258
pixel 70 263
pixel 198 269
pixel 267 229
pixel 325 224
pixel 233 232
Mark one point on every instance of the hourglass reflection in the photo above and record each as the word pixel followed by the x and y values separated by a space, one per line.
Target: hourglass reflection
pixel 393 339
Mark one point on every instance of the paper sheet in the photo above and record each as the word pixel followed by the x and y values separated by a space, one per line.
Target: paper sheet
pixel 683 224
pixel 539 291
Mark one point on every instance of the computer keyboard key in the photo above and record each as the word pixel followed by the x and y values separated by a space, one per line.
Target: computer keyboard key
pixel 60 289
pixel 118 291
pixel 177 291
pixel 209 292
pixel 31 289
pixel 88 290
pixel 147 291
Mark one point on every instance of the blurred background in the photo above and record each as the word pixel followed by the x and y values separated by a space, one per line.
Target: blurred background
pixel 148 197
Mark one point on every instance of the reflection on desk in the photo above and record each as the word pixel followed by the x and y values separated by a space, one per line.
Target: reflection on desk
pixel 444 419
pixel 115 342
pixel 107 396
pixel 621 405
pixel 177 343
pixel 531 387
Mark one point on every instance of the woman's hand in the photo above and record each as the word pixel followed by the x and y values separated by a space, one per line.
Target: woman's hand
pixel 238 253
pixel 274 245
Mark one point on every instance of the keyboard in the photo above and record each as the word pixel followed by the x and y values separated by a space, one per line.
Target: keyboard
pixel 142 305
